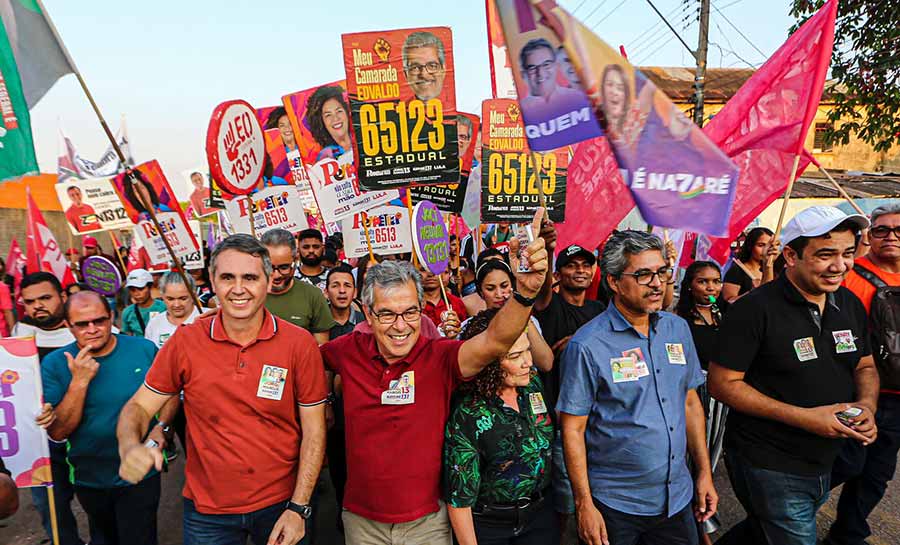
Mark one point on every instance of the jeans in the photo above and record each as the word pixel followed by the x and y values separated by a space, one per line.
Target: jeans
pixel 63 494
pixel 781 507
pixel 625 529
pixel 202 529
pixel 125 514
pixel 865 472
pixel 563 499
pixel 542 529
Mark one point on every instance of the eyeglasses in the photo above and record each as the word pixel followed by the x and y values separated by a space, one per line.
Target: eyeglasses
pixel 533 69
pixel 645 276
pixel 410 316
pixel 430 67
pixel 284 269
pixel 97 322
pixel 882 231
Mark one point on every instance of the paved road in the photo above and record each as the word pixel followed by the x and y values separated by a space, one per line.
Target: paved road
pixel 24 528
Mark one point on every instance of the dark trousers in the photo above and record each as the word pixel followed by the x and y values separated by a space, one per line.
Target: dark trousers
pixel 540 527
pixel 336 449
pixel 123 515
pixel 63 494
pixel 625 529
pixel 865 473
pixel 781 507
pixel 202 529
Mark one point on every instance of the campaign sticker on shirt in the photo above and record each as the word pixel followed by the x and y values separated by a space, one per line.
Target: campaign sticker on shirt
pixel 401 391
pixel 844 341
pixel 271 382
pixel 537 403
pixel 153 313
pixel 627 369
pixel 675 351
pixel 805 349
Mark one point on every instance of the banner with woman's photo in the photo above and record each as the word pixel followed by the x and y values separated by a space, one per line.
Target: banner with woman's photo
pixel 151 188
pixel 403 101
pixel 320 123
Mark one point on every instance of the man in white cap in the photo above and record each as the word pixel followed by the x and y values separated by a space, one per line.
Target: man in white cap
pixel 796 368
pixel 136 316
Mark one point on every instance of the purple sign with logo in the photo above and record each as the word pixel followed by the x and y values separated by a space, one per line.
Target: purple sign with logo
pixel 430 237
pixel 101 275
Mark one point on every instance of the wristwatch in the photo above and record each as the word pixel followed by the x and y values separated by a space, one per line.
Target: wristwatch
pixel 522 300
pixel 305 511
pixel 165 427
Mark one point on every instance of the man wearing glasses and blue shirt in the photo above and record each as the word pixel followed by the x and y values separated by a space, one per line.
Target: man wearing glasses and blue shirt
pixel 629 411
pixel 397 386
pixel 88 382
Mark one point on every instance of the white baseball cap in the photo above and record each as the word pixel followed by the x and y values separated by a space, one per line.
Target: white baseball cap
pixel 816 221
pixel 138 278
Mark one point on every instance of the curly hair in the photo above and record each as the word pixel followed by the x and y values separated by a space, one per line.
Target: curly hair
pixel 487 383
pixel 313 117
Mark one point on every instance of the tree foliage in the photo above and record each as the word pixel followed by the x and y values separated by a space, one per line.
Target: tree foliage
pixel 866 69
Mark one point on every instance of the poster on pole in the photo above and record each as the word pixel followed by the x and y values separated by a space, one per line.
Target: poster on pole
pixel 450 198
pixel 203 195
pixel 430 237
pixel 403 102
pixel 91 205
pixel 320 118
pixel 389 231
pixel 276 207
pixel 235 147
pixel 101 274
pixel 152 187
pixel 23 444
pixel 509 186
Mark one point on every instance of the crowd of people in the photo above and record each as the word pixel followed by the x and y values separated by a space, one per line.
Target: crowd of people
pixel 513 407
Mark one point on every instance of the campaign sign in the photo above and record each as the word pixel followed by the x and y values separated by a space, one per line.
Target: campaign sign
pixel 509 186
pixel 23 444
pixel 320 118
pixel 147 185
pixel 403 104
pixel 277 207
pixel 389 231
pixel 556 109
pixel 235 147
pixel 91 206
pixel 430 237
pixel 450 197
pixel 101 275
pixel 195 260
pixel 203 194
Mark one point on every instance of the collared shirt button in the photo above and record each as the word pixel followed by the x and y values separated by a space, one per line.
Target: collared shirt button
pixel 658 371
pixel 663 400
pixel 671 428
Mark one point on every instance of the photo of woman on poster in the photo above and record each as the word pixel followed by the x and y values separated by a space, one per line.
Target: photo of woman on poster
pixel 328 119
pixel 278 119
pixel 147 193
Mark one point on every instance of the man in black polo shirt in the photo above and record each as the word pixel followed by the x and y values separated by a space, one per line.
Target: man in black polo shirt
pixel 793 355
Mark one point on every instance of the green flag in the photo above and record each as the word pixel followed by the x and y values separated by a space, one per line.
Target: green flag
pixel 16 146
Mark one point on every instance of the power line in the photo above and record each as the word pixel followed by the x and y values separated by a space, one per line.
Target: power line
pixel 663 31
pixel 634 43
pixel 589 15
pixel 583 2
pixel 608 15
pixel 727 20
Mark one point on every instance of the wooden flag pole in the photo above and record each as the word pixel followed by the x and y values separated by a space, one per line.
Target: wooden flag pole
pixel 455 219
pixel 368 238
pixel 54 525
pixel 115 243
pixel 444 291
pixel 787 197
pixel 842 192
pixel 252 219
pixel 412 226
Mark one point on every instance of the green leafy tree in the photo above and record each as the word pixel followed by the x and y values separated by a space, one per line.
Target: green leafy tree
pixel 866 70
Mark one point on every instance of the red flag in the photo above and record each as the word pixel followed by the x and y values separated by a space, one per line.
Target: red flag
pixel 15 263
pixel 764 125
pixel 43 251
pixel 597 198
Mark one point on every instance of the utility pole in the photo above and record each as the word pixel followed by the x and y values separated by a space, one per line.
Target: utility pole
pixel 700 55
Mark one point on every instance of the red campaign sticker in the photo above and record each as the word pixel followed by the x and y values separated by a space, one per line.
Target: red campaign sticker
pixel 235 147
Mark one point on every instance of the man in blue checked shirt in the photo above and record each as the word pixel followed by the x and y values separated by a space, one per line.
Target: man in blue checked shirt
pixel 629 411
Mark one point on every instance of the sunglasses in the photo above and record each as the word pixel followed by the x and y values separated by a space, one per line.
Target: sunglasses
pixel 97 322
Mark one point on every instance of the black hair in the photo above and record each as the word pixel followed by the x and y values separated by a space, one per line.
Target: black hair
pixel 800 243
pixel 750 241
pixel 274 116
pixel 490 252
pixel 329 255
pixel 313 117
pixel 310 233
pixel 685 307
pixel 131 196
pixel 339 268
pixel 80 285
pixel 88 293
pixel 490 266
pixel 534 45
pixel 40 277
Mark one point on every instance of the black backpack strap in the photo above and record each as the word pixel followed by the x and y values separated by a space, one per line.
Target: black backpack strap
pixel 140 319
pixel 871 277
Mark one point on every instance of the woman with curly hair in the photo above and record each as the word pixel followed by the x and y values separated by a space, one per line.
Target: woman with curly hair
pixel 328 119
pixel 497 452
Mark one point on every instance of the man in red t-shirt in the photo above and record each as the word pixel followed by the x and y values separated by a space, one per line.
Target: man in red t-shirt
pixel 397 386
pixel 865 471
pixel 80 215
pixel 254 394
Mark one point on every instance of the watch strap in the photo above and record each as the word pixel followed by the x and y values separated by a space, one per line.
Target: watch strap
pixel 523 300
pixel 304 510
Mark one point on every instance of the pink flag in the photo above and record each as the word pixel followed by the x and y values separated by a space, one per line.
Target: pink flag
pixel 597 198
pixel 15 263
pixel 43 252
pixel 764 125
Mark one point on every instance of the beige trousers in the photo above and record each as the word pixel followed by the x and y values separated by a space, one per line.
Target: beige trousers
pixel 432 529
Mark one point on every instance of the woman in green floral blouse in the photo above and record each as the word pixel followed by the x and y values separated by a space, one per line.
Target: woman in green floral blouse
pixel 497 453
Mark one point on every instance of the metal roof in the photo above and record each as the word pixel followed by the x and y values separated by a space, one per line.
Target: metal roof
pixel 860 185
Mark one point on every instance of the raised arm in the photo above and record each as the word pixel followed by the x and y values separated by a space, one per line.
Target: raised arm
pixel 548 233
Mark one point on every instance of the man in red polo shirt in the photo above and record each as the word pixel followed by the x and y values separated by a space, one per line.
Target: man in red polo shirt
pixel 397 386
pixel 253 386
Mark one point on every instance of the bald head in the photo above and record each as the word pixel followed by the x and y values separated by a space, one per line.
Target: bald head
pixel 81 299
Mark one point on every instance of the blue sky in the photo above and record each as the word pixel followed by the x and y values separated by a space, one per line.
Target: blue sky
pixel 165 65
